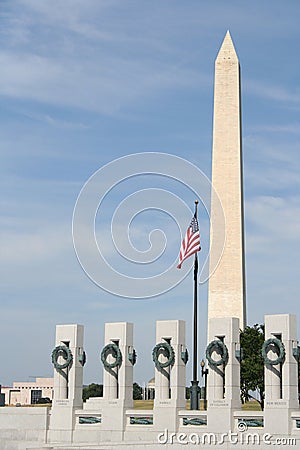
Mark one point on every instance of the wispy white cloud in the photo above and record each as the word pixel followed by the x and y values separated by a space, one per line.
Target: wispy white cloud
pixel 72 72
pixel 19 247
pixel 272 247
pixel 55 122
pixel 112 83
pixel 272 161
pixel 272 222
pixel 270 91
pixel 279 128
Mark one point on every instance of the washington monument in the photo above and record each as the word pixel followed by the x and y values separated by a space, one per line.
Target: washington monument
pixel 226 292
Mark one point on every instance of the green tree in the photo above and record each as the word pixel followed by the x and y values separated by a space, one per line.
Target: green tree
pixel 187 393
pixel 137 392
pixel 252 366
pixel 92 390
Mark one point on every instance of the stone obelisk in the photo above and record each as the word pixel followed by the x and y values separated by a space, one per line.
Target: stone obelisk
pixel 226 292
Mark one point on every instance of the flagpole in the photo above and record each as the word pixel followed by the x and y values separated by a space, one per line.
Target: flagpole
pixel 194 389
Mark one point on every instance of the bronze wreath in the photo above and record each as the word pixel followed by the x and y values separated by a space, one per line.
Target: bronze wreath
pixel 224 353
pixel 65 352
pixel 168 351
pixel 116 353
pixel 280 349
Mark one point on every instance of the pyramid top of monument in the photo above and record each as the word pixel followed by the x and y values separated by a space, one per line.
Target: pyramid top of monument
pixel 227 50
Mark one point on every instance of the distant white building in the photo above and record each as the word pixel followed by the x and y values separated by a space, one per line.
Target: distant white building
pixel 149 393
pixel 28 392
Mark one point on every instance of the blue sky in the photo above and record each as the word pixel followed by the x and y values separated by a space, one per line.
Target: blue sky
pixel 85 82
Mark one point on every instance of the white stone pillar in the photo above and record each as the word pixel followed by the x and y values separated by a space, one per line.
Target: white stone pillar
pixel 117 382
pixel 281 380
pixel 68 387
pixel 223 381
pixel 170 382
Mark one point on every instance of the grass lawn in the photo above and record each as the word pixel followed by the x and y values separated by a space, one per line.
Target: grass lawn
pixel 251 406
pixel 143 404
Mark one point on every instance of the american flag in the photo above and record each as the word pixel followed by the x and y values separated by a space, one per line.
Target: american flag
pixel 191 242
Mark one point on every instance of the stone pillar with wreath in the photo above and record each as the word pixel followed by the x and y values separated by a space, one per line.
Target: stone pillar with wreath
pixel 223 383
pixel 280 354
pixel 170 357
pixel 68 358
pixel 118 357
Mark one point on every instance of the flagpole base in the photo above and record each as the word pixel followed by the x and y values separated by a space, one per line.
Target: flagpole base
pixel 194 395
